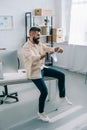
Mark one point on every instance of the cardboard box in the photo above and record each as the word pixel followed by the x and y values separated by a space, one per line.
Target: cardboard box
pixel 49 39
pixel 43 12
pixel 38 12
pixel 57 31
pixel 45 30
pixel 57 38
pixel 47 12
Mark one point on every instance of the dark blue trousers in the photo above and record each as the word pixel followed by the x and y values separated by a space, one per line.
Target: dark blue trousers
pixel 41 85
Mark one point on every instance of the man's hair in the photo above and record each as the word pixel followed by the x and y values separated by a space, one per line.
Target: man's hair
pixel 34 29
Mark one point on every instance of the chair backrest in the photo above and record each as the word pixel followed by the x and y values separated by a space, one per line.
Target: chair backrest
pixel 1 72
pixel 9 59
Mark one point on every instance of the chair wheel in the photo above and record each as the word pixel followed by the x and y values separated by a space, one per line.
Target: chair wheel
pixel 1 102
pixel 16 94
pixel 17 99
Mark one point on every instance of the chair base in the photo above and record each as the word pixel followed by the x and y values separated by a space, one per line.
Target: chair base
pixel 6 95
pixel 85 77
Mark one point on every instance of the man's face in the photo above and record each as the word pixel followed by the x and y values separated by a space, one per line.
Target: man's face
pixel 36 37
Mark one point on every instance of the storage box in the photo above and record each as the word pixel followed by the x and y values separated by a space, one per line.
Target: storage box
pixel 56 38
pixel 47 12
pixel 43 12
pixel 57 31
pixel 49 39
pixel 45 30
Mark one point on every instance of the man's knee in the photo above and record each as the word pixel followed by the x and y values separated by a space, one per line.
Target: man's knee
pixel 44 93
pixel 62 77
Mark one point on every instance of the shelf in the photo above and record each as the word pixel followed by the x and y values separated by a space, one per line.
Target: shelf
pixel 39 21
pixel 41 15
pixel 43 25
pixel 44 35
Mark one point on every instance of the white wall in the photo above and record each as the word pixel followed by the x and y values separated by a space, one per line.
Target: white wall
pixel 58 13
pixel 15 38
pixel 73 58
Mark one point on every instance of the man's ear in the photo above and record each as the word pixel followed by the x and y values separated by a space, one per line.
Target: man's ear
pixel 31 33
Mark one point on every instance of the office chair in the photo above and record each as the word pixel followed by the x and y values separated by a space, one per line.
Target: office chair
pixel 85 77
pixel 11 56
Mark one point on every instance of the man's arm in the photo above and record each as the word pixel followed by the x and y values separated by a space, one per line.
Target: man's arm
pixel 42 56
pixel 57 49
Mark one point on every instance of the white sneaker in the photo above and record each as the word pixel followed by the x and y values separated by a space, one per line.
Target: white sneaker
pixel 68 102
pixel 63 101
pixel 43 117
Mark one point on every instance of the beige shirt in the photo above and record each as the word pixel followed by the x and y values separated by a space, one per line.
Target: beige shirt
pixel 31 56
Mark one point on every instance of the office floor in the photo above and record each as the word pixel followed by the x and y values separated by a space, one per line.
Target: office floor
pixel 66 118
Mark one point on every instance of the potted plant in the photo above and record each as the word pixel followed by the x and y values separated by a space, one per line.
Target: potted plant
pixel 46 20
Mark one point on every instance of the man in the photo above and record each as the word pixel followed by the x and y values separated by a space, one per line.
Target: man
pixel 34 53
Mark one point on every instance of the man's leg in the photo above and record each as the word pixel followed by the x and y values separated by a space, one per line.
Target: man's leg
pixel 52 72
pixel 43 93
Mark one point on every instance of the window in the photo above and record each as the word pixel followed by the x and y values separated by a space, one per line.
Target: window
pixel 78 24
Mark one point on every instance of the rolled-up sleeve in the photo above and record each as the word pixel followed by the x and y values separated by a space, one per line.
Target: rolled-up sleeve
pixel 47 48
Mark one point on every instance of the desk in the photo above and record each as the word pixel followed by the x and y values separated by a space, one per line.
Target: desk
pixel 16 78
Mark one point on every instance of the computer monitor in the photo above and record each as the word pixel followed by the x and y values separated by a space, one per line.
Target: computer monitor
pixel 9 61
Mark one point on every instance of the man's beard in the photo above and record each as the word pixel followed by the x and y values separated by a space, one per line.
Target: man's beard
pixel 36 40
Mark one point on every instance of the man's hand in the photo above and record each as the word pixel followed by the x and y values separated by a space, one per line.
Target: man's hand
pixel 58 49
